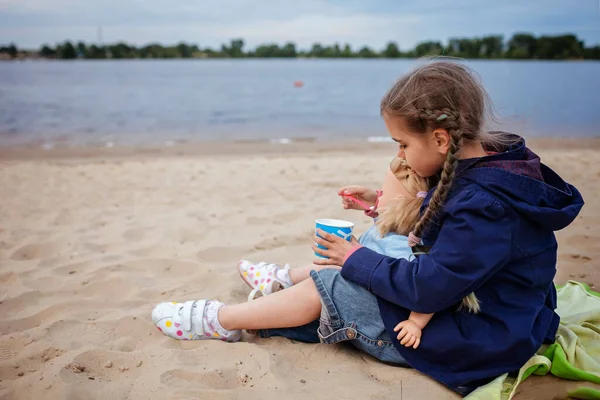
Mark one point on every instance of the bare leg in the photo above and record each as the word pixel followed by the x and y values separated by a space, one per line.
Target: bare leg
pixel 297 275
pixel 295 306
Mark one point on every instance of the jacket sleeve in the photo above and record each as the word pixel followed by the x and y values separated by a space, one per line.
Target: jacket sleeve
pixel 473 243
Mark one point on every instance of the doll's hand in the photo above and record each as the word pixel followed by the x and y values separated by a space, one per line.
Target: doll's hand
pixel 410 333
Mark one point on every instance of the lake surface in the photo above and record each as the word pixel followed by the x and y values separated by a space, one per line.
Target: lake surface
pixel 161 101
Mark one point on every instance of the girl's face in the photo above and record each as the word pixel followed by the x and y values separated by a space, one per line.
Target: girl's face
pixel 424 153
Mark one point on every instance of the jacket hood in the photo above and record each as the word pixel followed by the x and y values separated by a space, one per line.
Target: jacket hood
pixel 517 177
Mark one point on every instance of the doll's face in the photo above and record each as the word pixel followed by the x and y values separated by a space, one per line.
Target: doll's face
pixel 392 188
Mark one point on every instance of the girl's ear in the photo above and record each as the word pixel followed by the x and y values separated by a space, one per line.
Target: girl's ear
pixel 441 139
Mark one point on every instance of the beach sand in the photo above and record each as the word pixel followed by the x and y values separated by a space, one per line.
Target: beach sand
pixel 91 240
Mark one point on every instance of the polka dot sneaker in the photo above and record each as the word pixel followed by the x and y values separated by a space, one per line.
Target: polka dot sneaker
pixel 192 320
pixel 264 278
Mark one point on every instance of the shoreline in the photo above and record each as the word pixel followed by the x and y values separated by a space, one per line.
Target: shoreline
pixel 259 147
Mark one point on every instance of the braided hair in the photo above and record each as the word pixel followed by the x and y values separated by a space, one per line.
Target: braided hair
pixel 439 95
pixel 449 120
pixel 443 95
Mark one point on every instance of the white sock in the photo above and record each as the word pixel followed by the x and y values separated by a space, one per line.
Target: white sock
pixel 211 319
pixel 283 275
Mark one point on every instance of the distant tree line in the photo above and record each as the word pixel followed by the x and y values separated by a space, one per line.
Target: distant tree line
pixel 520 46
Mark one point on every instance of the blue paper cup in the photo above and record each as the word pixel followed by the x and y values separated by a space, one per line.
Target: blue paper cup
pixel 337 227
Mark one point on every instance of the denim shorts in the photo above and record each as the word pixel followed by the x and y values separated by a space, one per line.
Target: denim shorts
pixel 349 314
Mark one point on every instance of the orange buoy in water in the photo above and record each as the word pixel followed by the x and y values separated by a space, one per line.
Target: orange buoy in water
pixel 298 84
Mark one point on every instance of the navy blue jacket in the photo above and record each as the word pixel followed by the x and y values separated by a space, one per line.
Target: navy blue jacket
pixel 495 237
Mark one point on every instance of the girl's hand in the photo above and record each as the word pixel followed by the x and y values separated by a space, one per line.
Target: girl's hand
pixel 410 333
pixel 337 248
pixel 366 195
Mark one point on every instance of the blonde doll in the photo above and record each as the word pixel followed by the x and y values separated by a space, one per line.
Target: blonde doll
pixel 396 214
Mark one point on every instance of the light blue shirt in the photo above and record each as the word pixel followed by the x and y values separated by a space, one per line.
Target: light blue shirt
pixel 391 245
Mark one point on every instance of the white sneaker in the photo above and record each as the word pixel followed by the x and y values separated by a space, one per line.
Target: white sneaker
pixel 262 277
pixel 192 320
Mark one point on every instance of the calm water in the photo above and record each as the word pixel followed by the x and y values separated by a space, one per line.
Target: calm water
pixel 160 101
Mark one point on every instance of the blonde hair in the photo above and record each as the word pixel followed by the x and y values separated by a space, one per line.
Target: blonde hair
pixel 401 214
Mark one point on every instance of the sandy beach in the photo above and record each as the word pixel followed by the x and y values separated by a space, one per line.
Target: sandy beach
pixel 91 240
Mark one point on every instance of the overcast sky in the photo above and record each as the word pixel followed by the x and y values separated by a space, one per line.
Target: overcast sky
pixel 30 23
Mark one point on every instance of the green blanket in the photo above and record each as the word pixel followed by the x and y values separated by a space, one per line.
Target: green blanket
pixel 574 355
